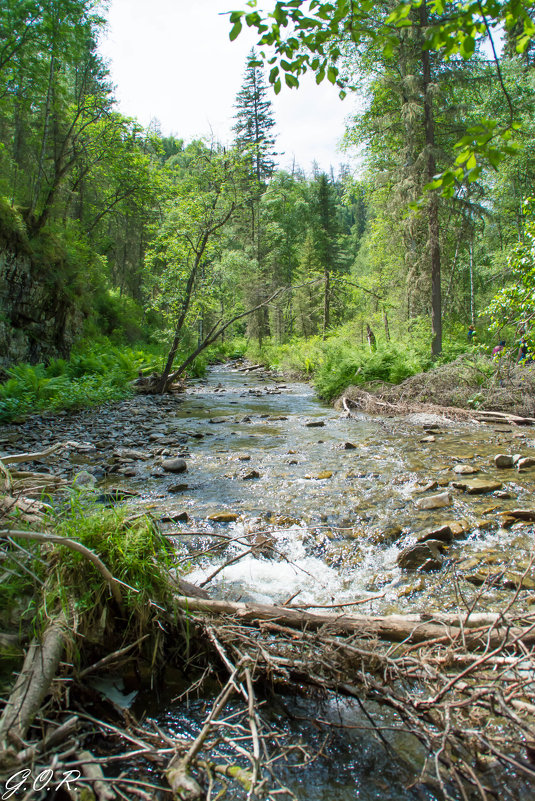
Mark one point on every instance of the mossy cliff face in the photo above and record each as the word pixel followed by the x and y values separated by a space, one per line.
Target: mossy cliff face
pixel 39 317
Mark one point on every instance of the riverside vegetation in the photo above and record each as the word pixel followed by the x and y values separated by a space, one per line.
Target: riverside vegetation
pixel 131 260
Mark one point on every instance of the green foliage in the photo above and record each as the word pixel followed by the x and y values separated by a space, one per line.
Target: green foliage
pixel 11 223
pixel 129 545
pixel 514 305
pixel 97 372
pixel 339 361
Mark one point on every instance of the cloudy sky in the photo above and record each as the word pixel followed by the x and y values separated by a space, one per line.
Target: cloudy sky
pixel 172 60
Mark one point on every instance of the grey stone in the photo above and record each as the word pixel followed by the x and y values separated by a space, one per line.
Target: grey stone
pixel 503 461
pixel 435 501
pixel 174 465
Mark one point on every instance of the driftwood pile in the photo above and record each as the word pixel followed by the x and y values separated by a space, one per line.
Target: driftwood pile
pixel 364 401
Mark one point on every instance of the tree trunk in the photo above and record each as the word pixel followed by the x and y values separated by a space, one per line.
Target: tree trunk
pixel 432 202
pixel 326 303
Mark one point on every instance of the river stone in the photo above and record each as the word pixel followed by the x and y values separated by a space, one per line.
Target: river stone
pixel 424 556
pixel 442 534
pixel 177 488
pixel 427 420
pixel 348 446
pixel 477 486
pixel 527 461
pixel 251 474
pixel 465 469
pixel 314 423
pixel 175 517
pixel 223 517
pixel 459 528
pixel 430 438
pixel 129 453
pixel 435 501
pixel 174 465
pixel 503 460
pixel 244 457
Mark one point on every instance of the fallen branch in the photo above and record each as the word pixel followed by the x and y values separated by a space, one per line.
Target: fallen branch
pixel 113 583
pixel 33 683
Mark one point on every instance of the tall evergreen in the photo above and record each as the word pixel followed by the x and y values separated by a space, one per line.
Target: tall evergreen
pixel 255 122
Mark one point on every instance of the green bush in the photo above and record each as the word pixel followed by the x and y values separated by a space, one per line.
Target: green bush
pixel 97 372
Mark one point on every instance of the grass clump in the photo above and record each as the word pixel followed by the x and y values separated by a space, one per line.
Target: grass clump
pixel 128 543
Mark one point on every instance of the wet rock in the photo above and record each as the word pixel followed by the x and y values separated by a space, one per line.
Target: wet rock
pixel 503 461
pixel 223 517
pixel 458 528
pixel 348 446
pixel 244 457
pixel 175 517
pixel 321 476
pixel 507 579
pixel 176 465
pixel 250 475
pixel 430 438
pixel 478 486
pixel 84 479
pixel 217 420
pixel 384 536
pixel 527 515
pixel 526 461
pixel 431 485
pixel 129 453
pixel 465 469
pixel 435 501
pixel 424 556
pixel 177 488
pixel 314 423
pixel 262 544
pixel 442 534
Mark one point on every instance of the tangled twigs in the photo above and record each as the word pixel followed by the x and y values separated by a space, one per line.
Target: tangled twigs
pixel 467 697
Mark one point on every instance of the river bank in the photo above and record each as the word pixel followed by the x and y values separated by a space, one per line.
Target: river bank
pixel 269 496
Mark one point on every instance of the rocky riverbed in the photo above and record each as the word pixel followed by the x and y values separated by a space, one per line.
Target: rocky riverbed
pixel 330 508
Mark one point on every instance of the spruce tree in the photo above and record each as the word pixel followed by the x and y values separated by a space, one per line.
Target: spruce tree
pixel 255 122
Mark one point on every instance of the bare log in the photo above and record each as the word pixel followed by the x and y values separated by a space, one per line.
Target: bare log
pixel 34 681
pixel 418 628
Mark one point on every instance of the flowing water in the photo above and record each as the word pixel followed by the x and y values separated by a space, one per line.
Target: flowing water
pixel 323 505
pixel 335 499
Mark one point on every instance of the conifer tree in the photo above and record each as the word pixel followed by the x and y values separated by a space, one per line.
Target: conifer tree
pixel 255 122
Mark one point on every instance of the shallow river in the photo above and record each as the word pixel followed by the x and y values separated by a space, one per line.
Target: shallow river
pixel 338 499
pixel 323 507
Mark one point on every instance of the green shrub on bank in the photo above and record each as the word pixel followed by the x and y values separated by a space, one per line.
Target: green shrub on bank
pixel 342 360
pixel 97 372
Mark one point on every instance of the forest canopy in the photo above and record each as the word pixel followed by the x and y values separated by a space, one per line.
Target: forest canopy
pixel 121 231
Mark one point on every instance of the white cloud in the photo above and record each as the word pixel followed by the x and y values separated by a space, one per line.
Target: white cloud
pixel 172 60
